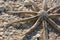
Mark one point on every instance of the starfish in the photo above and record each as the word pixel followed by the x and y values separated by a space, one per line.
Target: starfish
pixel 43 17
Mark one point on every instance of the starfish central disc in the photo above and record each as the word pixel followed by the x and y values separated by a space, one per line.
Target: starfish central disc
pixel 43 14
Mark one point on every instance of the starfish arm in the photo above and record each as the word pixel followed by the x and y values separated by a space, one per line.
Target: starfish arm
pixel 44 5
pixel 53 9
pixel 21 20
pixel 51 22
pixel 32 28
pixel 18 12
pixel 35 6
pixel 45 32
pixel 54 15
